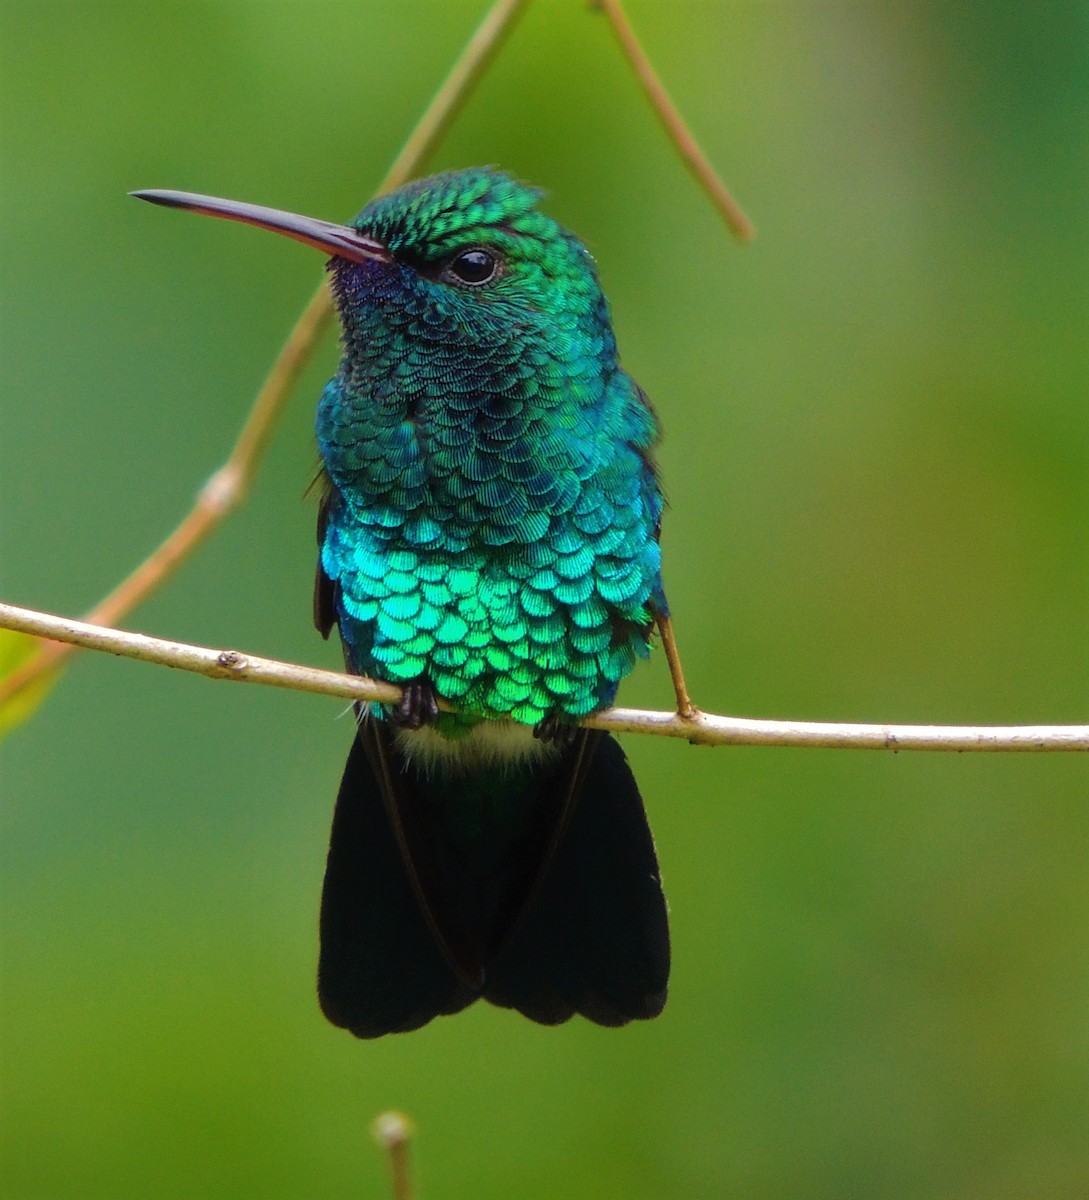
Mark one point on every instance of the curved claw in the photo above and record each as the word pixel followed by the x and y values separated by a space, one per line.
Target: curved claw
pixel 556 730
pixel 418 706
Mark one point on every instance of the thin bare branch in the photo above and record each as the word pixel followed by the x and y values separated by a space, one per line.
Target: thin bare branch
pixel 450 98
pixel 229 486
pixel 681 136
pixel 703 728
pixel 685 707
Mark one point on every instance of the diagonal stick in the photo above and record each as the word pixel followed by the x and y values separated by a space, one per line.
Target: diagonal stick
pixel 228 487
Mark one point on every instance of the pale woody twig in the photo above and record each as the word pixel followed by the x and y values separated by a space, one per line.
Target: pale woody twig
pixel 703 729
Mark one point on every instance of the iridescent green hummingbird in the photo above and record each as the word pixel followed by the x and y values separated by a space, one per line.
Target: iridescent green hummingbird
pixel 488 536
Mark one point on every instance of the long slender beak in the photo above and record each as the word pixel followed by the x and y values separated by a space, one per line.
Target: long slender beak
pixel 341 241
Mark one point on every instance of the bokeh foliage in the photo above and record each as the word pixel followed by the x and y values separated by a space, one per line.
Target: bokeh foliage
pixel 876 455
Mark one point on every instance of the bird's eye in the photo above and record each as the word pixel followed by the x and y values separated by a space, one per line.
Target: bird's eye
pixel 473 267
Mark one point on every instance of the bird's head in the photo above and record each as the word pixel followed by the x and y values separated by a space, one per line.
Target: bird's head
pixel 464 256
pixel 473 244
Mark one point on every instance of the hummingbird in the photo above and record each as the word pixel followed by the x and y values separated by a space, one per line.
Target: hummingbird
pixel 488 540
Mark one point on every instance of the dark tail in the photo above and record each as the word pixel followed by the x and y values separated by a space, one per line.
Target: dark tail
pixel 579 926
pixel 380 970
pixel 595 940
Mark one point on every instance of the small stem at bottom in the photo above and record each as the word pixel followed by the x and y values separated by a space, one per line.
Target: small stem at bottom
pixel 394 1131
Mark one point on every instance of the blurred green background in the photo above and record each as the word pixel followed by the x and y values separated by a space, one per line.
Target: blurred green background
pixel 876 433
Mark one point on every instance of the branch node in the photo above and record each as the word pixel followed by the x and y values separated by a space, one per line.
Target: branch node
pixel 223 490
pixel 234 664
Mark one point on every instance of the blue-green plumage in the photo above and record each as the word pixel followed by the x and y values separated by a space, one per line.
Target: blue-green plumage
pixel 488 537
pixel 494 515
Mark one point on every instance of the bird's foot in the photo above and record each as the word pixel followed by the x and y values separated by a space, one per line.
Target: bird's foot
pixel 556 731
pixel 418 706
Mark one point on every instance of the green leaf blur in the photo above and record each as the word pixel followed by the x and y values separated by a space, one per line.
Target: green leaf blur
pixel 876 432
pixel 16 649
